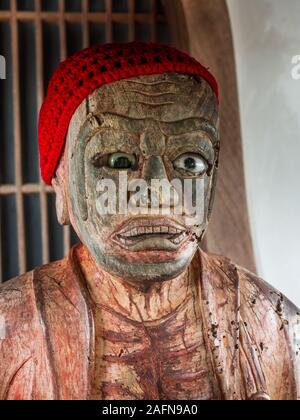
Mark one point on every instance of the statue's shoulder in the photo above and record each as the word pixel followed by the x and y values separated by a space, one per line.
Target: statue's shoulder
pixel 274 324
pixel 253 288
pixel 23 344
pixel 257 289
pixel 17 303
pixel 19 297
pixel 269 324
pixel 43 333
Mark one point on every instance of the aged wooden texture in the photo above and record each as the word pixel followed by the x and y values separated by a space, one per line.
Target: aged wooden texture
pixel 157 119
pixel 205 32
pixel 50 316
pixel 62 19
pixel 138 311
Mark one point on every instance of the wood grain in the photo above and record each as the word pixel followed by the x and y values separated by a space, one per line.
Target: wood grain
pixel 54 336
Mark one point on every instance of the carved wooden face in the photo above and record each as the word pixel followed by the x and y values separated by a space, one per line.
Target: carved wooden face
pixel 160 127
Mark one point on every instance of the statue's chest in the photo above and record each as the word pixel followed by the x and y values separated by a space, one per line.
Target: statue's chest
pixel 148 361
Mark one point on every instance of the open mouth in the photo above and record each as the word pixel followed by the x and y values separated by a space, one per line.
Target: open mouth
pixel 151 234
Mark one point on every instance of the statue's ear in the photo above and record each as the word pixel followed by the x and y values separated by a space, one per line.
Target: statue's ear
pixel 62 209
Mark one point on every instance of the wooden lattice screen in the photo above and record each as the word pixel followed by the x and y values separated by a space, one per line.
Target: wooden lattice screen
pixel 34 36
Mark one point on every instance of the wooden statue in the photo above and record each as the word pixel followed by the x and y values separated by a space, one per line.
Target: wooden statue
pixel 138 311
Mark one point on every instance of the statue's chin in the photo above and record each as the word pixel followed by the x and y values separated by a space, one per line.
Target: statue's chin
pixel 140 272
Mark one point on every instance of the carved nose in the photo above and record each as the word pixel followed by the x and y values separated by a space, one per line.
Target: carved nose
pixel 154 168
pixel 160 192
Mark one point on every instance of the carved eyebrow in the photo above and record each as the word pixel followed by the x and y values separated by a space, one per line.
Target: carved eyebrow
pixel 169 128
pixel 123 122
pixel 190 125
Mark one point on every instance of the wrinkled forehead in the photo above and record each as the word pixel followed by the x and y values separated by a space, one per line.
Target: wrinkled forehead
pixel 170 103
pixel 167 97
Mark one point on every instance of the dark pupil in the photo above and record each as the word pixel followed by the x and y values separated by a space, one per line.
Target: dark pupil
pixel 190 163
pixel 122 163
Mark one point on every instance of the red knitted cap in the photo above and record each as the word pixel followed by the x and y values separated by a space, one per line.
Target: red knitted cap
pixel 82 73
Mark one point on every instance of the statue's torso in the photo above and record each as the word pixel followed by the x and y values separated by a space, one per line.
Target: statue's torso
pixel 56 343
pixel 166 359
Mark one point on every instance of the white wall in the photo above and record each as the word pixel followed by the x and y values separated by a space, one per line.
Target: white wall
pixel 266 36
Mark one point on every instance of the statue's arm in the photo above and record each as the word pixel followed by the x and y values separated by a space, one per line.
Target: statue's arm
pixel 18 345
pixel 292 316
pixel 273 323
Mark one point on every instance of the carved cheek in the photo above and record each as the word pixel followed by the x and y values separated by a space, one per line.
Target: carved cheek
pixel 102 187
pixel 195 200
pixel 207 197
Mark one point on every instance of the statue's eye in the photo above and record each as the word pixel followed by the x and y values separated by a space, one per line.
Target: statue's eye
pixel 191 162
pixel 118 160
pixel 122 161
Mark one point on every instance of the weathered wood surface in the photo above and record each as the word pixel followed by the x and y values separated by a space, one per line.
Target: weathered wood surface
pixel 137 311
pixel 155 119
pixel 55 336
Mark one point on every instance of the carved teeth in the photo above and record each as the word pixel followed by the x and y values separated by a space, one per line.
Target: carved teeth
pixel 179 238
pixel 172 230
pixel 134 232
pixel 144 230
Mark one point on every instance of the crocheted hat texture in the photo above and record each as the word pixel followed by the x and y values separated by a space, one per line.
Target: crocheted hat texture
pixel 82 73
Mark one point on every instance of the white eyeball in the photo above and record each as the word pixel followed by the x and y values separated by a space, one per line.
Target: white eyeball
pixel 192 163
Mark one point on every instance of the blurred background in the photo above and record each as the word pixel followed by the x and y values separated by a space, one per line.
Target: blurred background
pixel 266 37
pixel 249 45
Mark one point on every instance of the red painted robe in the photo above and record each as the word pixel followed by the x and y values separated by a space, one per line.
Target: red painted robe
pixel 47 334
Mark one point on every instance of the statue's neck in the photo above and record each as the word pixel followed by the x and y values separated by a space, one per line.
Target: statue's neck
pixel 153 303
